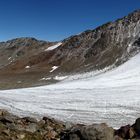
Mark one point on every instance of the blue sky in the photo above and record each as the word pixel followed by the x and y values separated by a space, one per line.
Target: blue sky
pixel 57 19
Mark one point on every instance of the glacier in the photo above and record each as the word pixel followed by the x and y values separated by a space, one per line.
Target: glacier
pixel 110 96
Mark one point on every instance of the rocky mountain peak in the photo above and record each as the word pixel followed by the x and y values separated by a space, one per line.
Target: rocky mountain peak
pixel 110 44
pixel 24 41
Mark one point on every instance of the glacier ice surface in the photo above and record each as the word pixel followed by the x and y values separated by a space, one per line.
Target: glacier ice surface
pixel 112 97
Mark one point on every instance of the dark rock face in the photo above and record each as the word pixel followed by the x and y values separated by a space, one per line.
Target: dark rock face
pixel 137 42
pixel 136 126
pixel 126 132
pixel 129 132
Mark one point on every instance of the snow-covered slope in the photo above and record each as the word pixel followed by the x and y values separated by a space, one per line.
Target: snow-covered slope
pixel 112 97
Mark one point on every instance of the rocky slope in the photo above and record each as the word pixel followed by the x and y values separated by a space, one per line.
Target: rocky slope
pixel 29 59
pixel 26 128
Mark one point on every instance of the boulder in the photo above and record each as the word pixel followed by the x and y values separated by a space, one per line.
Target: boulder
pixel 136 126
pixel 91 132
pixel 123 132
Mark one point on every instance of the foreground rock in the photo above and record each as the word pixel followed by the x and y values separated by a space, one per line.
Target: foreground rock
pixel 15 128
pixel 91 132
pixel 27 128
pixel 102 132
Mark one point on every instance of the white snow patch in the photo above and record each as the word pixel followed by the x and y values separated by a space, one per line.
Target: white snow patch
pixel 60 77
pixel 130 47
pixel 54 68
pixel 9 58
pixel 27 67
pixel 49 78
pixel 53 47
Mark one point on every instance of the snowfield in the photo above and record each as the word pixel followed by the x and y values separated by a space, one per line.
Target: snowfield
pixel 53 47
pixel 112 97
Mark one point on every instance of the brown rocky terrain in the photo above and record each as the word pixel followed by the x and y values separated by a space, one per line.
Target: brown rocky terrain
pixel 24 61
pixel 16 128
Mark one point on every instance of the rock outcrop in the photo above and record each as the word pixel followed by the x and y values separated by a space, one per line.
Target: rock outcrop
pixel 91 132
pixel 102 132
pixel 26 128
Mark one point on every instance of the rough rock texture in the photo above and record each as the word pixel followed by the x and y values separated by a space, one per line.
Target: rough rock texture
pixel 102 132
pixel 18 63
pixel 92 132
pixel 108 45
pixel 15 128
pixel 19 48
pixel 129 132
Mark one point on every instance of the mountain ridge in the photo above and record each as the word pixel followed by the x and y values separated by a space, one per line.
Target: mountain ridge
pixel 111 44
